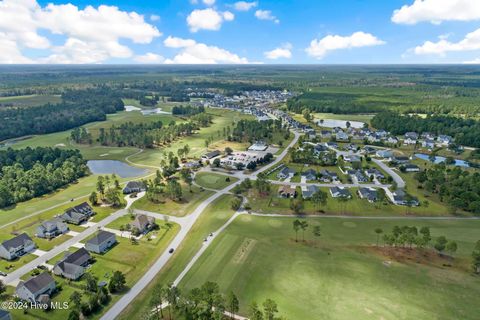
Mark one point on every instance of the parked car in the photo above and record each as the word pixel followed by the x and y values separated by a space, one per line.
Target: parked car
pixel 3 274
pixel 171 250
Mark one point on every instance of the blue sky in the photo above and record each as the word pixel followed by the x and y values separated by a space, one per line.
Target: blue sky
pixel 208 31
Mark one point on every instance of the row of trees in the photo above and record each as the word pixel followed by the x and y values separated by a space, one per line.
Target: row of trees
pixel 206 302
pixel 29 173
pixel 187 110
pixel 77 108
pixel 306 155
pixel 252 130
pixel 458 188
pixel 303 226
pixel 109 189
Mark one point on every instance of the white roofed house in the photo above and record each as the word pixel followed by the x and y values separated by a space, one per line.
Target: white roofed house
pixel 101 242
pixel 285 173
pixel 428 143
pixel 51 228
pixel 444 140
pixel 34 288
pixel 341 136
pixel 16 247
pixel 340 192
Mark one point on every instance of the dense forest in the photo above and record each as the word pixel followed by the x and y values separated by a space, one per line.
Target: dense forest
pixel 458 188
pixel 465 131
pixel 77 108
pixel 252 130
pixel 29 173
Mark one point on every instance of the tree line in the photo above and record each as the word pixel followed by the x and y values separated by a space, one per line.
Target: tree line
pixel 465 131
pixel 205 302
pixel 78 107
pixel 458 188
pixel 252 130
pixel 29 173
pixel 187 110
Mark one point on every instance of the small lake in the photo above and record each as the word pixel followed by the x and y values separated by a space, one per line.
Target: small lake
pixel 120 168
pixel 438 159
pixel 331 123
pixel 147 112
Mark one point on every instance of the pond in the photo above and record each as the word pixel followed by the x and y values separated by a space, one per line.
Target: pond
pixel 331 123
pixel 438 159
pixel 148 112
pixel 121 169
pixel 132 108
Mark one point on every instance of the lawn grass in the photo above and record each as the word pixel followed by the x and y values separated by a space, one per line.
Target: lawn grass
pixel 212 180
pixel 30 100
pixel 346 117
pixel 214 216
pixel 9 266
pixel 181 208
pixel 338 276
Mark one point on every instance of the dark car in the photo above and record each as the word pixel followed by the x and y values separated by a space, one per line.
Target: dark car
pixel 171 250
pixel 3 274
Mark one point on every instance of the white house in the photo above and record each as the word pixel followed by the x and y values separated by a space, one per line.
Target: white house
pixel 16 247
pixel 35 287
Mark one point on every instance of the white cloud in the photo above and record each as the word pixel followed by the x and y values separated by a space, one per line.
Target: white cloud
pixel 474 61
pixel 471 42
pixel 266 15
pixel 244 5
pixel 149 58
pixel 282 52
pixel 207 19
pixel 320 48
pixel 436 11
pixel 199 53
pixel 92 34
pixel 209 2
pixel 154 17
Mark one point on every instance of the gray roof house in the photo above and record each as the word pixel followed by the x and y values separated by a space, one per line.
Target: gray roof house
pixel 78 214
pixel 51 228
pixel 143 223
pixel 400 197
pixel 134 186
pixel 16 247
pixel 36 287
pixel 286 172
pixel 374 172
pixel 357 176
pixel 308 191
pixel 310 174
pixel 211 155
pixel 338 192
pixel 327 176
pixel 368 193
pixel 102 241
pixel 73 265
pixel 5 315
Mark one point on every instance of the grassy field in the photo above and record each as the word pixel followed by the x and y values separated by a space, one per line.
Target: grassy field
pixel 211 219
pixel 346 117
pixel 213 180
pixel 29 100
pixel 189 202
pixel 340 275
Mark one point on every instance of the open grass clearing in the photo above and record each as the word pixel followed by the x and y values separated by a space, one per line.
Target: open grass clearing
pixel 212 180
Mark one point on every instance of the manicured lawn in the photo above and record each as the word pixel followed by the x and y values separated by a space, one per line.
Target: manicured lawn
pixel 15 264
pixel 346 117
pixel 213 180
pixel 211 219
pixel 189 202
pixel 338 276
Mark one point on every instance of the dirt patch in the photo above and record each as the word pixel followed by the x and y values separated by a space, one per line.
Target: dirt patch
pixel 244 250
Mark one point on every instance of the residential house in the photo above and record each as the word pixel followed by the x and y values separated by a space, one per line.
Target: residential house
pixel 340 192
pixel 369 150
pixel 310 174
pixel 73 265
pixel 357 176
pixel 134 187
pixel 258 146
pixel 51 228
pixel 101 242
pixel 308 191
pixel 285 173
pixel 332 145
pixel 211 155
pixel 392 140
pixel 341 136
pixel 78 214
pixel 384 153
pixel 35 287
pixel 287 192
pixel 400 197
pixel 143 223
pixel 398 159
pixel 410 167
pixel 328 176
pixel 352 158
pixel 411 135
pixel 192 165
pixel 16 247
pixel 374 138
pixel 326 134
pixel 369 194
pixel 381 133
pixel 375 173
pixel 359 135
pixel 319 148
pixel 429 144
pixel 5 315
pixel 427 135
pixel 352 147
pixel 444 140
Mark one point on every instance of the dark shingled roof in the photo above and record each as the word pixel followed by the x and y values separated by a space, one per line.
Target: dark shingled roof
pixel 17 241
pixel 39 282
pixel 79 257
pixel 100 237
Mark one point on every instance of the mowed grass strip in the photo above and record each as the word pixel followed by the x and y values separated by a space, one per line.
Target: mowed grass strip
pixel 335 276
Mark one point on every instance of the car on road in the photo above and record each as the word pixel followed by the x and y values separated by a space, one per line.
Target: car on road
pixel 171 250
pixel 3 274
